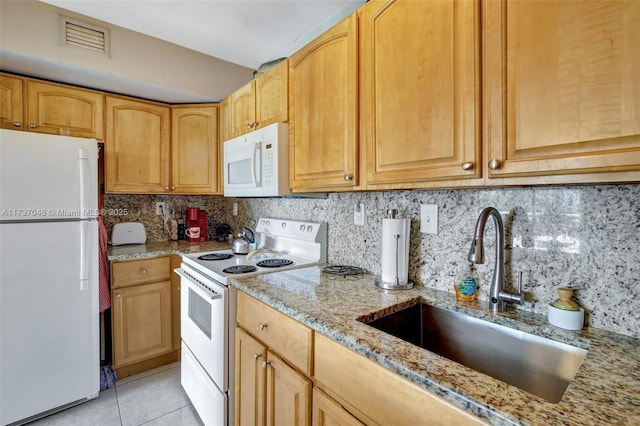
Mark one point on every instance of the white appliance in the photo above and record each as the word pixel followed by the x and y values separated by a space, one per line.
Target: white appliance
pixel 208 307
pixel 126 233
pixel 49 333
pixel 257 164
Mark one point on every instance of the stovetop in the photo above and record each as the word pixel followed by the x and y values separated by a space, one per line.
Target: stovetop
pixel 218 269
pixel 283 244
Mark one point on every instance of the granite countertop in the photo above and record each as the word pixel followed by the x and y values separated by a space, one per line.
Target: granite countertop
pixel 162 248
pixel 606 389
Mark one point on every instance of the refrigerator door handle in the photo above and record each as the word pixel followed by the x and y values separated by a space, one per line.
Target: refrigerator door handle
pixel 83 157
pixel 84 255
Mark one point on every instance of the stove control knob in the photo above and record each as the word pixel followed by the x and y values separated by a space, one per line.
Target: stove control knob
pixel 283 225
pixel 309 228
pixel 301 228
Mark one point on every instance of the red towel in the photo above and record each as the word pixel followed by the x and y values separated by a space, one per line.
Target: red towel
pixel 104 295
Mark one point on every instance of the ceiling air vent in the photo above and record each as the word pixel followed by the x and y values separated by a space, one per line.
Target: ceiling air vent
pixel 85 36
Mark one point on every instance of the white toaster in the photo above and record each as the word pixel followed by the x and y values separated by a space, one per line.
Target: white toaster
pixel 128 233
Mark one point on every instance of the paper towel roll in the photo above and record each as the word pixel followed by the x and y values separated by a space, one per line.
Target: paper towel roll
pixel 395 250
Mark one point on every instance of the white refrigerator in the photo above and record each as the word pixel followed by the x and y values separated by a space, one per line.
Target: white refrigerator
pixel 49 320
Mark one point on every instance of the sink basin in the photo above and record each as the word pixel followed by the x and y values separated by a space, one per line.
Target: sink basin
pixel 534 364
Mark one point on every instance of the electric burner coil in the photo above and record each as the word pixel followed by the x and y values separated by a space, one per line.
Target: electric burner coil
pixel 344 270
pixel 274 263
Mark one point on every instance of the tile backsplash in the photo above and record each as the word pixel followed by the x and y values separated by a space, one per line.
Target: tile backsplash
pixel 584 236
pixel 581 236
pixel 141 208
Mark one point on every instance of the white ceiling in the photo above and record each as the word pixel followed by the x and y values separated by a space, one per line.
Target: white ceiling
pixel 244 32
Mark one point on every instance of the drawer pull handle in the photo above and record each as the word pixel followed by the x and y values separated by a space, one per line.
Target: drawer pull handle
pixel 143 271
pixel 256 356
pixel 262 326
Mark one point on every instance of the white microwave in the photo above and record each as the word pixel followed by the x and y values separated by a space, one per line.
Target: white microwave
pixel 257 164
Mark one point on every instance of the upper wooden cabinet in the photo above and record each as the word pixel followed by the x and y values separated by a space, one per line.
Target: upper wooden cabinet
pixel 260 102
pixel 57 109
pixel 562 91
pixel 11 103
pixel 323 125
pixel 420 91
pixel 137 146
pixel 194 149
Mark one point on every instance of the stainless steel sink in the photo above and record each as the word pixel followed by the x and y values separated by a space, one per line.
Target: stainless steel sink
pixel 535 364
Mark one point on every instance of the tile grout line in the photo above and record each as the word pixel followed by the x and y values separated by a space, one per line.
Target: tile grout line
pixel 163 415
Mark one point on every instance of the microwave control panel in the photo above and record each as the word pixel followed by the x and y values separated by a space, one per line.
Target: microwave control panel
pixel 267 171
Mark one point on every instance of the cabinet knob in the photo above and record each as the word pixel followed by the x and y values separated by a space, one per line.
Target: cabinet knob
pixel 117 294
pixel 32 125
pixel 173 188
pixel 494 164
pixel 17 124
pixel 166 188
pixel 348 177
pixel 143 271
pixel 265 364
pixel 262 326
pixel 256 356
pixel 467 165
pixel 249 126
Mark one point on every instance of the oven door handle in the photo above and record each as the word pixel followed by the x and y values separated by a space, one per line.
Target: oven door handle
pixel 212 295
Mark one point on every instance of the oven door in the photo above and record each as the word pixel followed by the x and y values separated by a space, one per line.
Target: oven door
pixel 204 327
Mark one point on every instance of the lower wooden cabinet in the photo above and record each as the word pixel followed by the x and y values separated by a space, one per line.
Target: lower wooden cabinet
pixel 327 412
pixel 143 316
pixel 141 322
pixel 268 391
pixel 375 394
pixel 340 386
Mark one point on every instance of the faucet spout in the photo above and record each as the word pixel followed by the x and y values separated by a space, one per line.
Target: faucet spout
pixel 497 293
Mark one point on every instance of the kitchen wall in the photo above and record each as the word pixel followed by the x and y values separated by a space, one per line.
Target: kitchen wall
pixel 141 208
pixel 585 236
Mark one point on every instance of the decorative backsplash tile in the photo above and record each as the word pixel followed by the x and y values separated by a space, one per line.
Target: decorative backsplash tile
pixel 585 236
pixel 141 208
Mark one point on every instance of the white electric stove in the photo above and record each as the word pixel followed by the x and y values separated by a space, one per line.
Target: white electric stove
pixel 208 306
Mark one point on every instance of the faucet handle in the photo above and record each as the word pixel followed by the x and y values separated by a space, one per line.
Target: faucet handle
pixel 520 282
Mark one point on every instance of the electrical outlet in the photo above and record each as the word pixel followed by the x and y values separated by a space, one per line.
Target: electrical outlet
pixel 235 209
pixel 429 218
pixel 160 207
pixel 358 215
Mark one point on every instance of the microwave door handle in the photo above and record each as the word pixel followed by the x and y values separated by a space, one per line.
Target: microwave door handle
pixel 254 158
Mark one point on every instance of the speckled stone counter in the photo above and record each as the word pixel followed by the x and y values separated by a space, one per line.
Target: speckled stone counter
pixel 162 248
pixel 606 389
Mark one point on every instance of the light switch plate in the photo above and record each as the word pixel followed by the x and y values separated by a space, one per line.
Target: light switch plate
pixel 429 218
pixel 358 214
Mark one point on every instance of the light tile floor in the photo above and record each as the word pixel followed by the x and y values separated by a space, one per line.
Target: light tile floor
pixel 152 398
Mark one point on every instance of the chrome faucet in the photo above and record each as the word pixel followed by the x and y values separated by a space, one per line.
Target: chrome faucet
pixel 498 294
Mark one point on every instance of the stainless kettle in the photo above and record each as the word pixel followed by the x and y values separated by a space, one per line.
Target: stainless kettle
pixel 242 244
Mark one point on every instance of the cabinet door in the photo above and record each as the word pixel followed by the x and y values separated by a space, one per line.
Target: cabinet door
pixel 562 88
pixel 272 95
pixel 194 149
pixel 288 394
pixel 242 104
pixel 224 129
pixel 57 109
pixel 420 90
pixel 137 146
pixel 327 412
pixel 250 382
pixel 323 122
pixel 141 322
pixel 11 103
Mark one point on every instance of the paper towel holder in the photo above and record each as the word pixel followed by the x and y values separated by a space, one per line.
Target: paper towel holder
pixel 396 284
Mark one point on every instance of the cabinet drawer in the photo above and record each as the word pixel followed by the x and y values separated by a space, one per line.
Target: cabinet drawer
pixel 284 335
pixel 384 396
pixel 131 272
